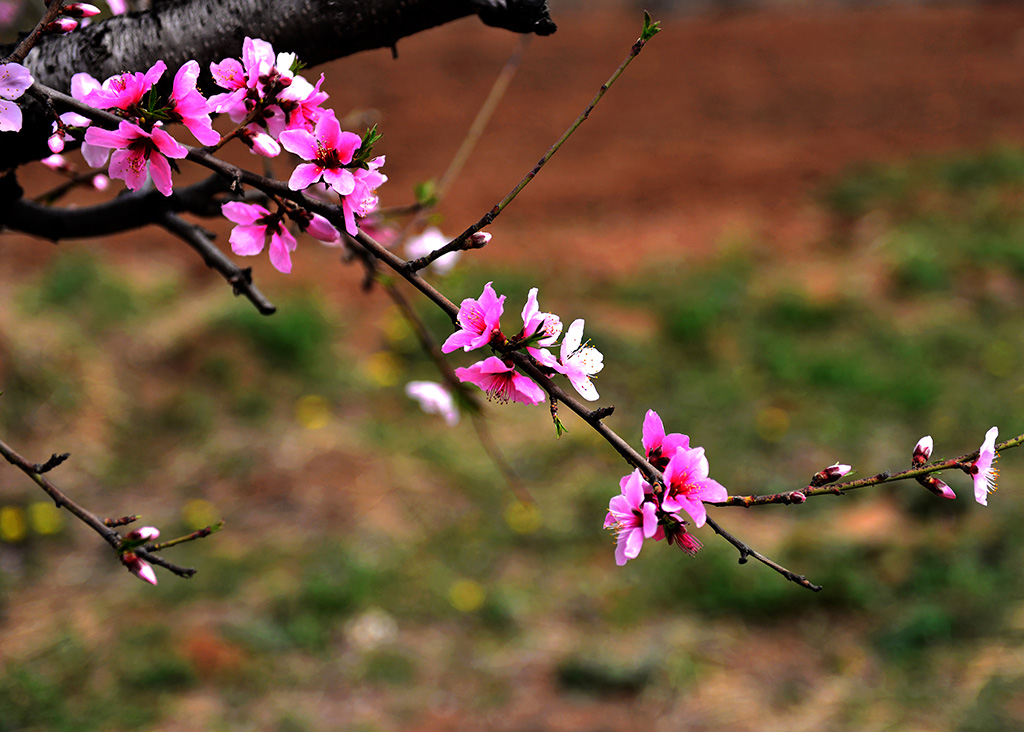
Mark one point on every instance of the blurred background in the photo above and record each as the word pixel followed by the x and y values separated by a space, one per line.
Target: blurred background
pixel 794 229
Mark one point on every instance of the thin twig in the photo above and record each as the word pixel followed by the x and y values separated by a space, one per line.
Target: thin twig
pixel 458 243
pixel 239 279
pixel 837 489
pixel 19 54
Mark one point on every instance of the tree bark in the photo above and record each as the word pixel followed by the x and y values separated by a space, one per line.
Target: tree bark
pixel 212 30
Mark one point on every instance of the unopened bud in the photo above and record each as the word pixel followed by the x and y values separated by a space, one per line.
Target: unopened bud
pixel 56 142
pixel 936 486
pixel 80 10
pixel 56 162
pixel 143 533
pixel 100 182
pixel 62 25
pixel 479 239
pixel 140 568
pixel 797 497
pixel 923 450
pixel 260 143
pixel 830 474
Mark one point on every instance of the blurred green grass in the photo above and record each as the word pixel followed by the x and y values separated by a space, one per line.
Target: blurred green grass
pixel 773 375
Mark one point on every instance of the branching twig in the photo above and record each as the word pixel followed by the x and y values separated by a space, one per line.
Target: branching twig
pixel 459 242
pixel 239 279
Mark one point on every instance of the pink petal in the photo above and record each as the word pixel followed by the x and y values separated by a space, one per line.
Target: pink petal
pixel 300 142
pixel 129 166
pixel 168 145
pixel 248 240
pixel 304 175
pixel 341 180
pixel 243 213
pixel 160 169
pixel 10 116
pixel 281 242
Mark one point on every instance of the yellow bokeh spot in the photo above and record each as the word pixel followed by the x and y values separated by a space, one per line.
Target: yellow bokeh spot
pixel 198 514
pixel 396 327
pixel 466 595
pixel 46 518
pixel 999 358
pixel 771 424
pixel 522 518
pixel 13 526
pixel 312 412
pixel 383 369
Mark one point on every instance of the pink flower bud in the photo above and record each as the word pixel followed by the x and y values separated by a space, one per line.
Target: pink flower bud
pixel 143 533
pixel 923 450
pixel 830 474
pixel 80 10
pixel 936 486
pixel 797 497
pixel 100 182
pixel 56 162
pixel 260 143
pixel 140 568
pixel 62 25
pixel 479 239
pixel 56 142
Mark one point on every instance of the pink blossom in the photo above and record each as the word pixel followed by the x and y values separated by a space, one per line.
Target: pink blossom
pixel 502 382
pixel 363 199
pixel 430 240
pixel 329 149
pixel 256 225
pixel 15 79
pixel 190 107
pixel 118 92
pixel 434 399
pixel 983 469
pixel 302 103
pixel 135 150
pixel 830 474
pixel 631 517
pixel 659 446
pixel 541 330
pixel 687 484
pixel 579 361
pixel 479 321
pixel 117 7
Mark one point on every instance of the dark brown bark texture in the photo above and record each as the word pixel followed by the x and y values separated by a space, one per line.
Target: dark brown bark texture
pixel 212 30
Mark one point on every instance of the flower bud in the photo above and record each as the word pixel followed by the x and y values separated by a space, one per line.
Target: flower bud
pixel 140 568
pixel 479 239
pixel 797 497
pixel 260 143
pixel 56 162
pixel 923 450
pixel 830 474
pixel 56 142
pixel 100 182
pixel 936 486
pixel 62 25
pixel 80 10
pixel 143 533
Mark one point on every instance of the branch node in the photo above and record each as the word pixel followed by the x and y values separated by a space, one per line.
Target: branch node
pixel 53 462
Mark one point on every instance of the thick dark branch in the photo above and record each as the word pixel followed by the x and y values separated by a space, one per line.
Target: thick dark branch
pixel 212 30
pixel 126 212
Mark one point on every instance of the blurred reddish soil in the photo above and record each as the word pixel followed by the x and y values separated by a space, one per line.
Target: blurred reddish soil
pixel 724 127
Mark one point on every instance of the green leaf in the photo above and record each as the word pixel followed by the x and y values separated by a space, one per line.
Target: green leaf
pixel 651 28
